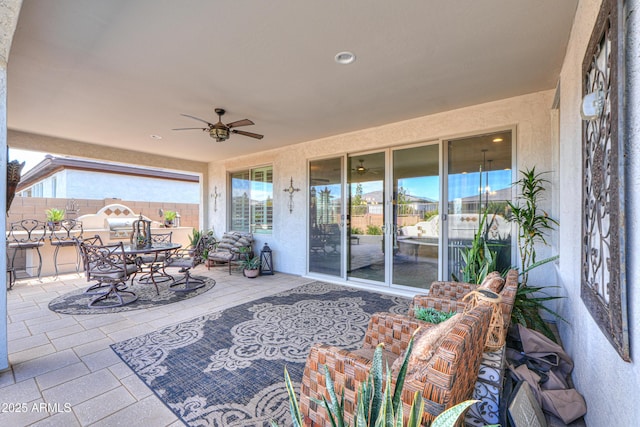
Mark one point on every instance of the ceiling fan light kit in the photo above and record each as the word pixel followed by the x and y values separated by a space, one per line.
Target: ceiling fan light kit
pixel 221 132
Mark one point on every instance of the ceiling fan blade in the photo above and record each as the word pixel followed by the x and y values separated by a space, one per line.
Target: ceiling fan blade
pixel 243 122
pixel 250 134
pixel 196 118
pixel 189 129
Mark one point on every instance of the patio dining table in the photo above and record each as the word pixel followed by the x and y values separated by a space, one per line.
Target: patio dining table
pixel 155 267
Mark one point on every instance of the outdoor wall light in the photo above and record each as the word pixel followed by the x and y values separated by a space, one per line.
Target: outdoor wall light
pixel 592 105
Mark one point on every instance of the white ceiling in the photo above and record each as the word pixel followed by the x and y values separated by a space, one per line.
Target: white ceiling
pixel 115 72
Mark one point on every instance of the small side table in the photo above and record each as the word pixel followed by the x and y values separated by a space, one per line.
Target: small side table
pixel 497 334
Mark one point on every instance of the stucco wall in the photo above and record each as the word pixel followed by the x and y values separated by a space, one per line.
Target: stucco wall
pixel 609 384
pixel 529 113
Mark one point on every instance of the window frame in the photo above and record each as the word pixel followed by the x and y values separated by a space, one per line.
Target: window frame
pixel 248 214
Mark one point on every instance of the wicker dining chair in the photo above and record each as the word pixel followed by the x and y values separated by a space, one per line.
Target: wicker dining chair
pixel 107 265
pixel 445 374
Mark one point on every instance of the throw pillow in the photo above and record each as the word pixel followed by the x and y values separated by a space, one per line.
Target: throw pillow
pixel 425 343
pixel 493 282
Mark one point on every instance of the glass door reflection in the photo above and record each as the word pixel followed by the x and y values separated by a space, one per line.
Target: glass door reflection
pixel 325 217
pixel 366 180
pixel 479 180
pixel 416 231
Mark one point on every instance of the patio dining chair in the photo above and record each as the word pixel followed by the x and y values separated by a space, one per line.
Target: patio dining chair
pixel 65 236
pixel 186 259
pixel 153 263
pixel 24 235
pixel 107 265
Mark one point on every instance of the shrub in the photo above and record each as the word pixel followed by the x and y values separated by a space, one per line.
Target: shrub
pixel 374 230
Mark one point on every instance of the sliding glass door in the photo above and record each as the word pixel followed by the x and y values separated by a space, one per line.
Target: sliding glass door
pixel 325 217
pixel 479 178
pixel 403 217
pixel 367 217
pixel 416 223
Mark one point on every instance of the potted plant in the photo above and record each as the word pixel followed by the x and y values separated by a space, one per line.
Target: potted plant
pixel 54 216
pixel 194 237
pixel 250 266
pixel 169 217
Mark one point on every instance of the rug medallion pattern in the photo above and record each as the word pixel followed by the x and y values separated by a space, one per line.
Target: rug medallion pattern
pixel 227 368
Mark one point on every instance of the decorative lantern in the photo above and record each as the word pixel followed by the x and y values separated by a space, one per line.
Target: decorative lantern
pixel 141 236
pixel 266 260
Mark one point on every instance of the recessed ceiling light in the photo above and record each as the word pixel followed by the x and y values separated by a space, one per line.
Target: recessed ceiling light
pixel 345 58
pixel 497 140
pixel 155 136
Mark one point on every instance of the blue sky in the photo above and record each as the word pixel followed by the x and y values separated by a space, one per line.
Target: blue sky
pixel 31 158
pixel 460 185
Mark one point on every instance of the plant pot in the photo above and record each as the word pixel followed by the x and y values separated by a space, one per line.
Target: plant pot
pixel 53 225
pixel 251 274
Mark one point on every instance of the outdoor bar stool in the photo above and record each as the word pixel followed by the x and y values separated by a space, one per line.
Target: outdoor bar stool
pixel 25 235
pixel 64 236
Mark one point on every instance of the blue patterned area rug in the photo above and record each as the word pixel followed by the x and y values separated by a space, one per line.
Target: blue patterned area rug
pixel 226 369
pixel 77 301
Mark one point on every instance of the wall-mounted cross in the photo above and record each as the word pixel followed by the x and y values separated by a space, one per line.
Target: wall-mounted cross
pixel 291 190
pixel 215 196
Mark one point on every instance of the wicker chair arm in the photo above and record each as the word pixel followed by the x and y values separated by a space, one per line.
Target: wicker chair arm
pixel 347 371
pixel 451 290
pixel 394 330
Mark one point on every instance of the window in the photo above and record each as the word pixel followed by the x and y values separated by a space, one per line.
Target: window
pixel 252 200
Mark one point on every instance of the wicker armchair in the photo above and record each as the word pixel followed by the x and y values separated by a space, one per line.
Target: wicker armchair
pixel 447 296
pixel 445 379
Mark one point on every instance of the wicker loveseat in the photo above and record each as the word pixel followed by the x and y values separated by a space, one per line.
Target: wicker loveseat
pixel 447 296
pixel 445 377
pixel 231 247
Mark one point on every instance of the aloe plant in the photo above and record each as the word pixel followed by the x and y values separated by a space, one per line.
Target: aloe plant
pixel 54 214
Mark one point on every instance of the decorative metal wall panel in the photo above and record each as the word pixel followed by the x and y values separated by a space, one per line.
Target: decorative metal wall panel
pixel 603 286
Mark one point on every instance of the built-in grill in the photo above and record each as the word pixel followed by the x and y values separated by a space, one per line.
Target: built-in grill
pixel 120 228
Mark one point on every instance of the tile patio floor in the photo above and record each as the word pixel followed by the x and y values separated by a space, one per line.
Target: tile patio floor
pixel 65 361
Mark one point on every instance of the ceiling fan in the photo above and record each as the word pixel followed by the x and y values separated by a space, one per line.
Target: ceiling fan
pixel 221 132
pixel 361 170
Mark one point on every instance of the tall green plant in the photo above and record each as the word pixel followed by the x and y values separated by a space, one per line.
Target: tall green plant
pixel 533 225
pixel 533 222
pixel 478 259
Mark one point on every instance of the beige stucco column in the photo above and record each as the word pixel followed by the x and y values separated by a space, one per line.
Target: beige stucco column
pixel 9 10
